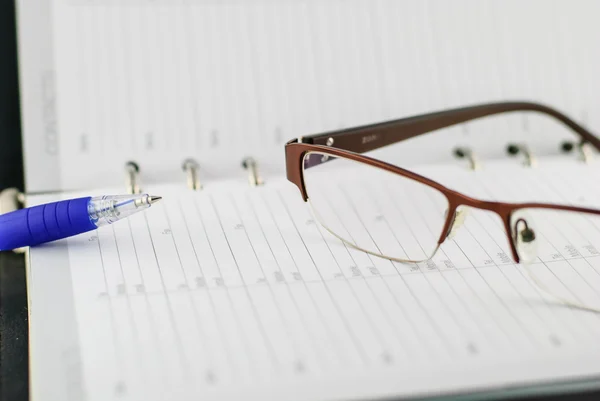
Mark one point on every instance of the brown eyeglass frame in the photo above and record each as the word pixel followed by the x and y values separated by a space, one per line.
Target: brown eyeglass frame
pixel 350 143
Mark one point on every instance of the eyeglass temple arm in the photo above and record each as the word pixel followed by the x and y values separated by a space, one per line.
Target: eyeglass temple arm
pixel 371 137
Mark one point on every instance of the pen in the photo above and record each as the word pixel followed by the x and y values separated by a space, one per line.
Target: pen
pixel 52 221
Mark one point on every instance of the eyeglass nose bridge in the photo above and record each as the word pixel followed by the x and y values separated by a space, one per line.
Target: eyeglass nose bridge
pixel 459 212
pixel 458 218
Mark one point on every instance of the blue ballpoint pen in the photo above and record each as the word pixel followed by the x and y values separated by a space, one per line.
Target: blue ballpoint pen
pixel 52 221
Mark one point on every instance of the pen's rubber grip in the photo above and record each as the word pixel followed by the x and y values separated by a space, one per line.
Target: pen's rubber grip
pixel 44 223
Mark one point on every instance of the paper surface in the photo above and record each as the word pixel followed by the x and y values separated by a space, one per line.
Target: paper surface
pixel 106 82
pixel 236 291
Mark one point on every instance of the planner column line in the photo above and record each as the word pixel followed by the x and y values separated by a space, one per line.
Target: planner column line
pixel 116 343
pixel 543 295
pixel 439 297
pixel 400 212
pixel 100 109
pixel 565 259
pixel 589 187
pixel 164 115
pixel 192 61
pixel 310 295
pixel 577 316
pixel 553 336
pixel 129 308
pixel 552 187
pixel 376 329
pixel 256 82
pixel 283 319
pixel 112 92
pixel 468 231
pixel 461 301
pixel 150 315
pixel 82 72
pixel 357 344
pixel 182 358
pixel 378 300
pixel 493 291
pixel 129 87
pixel 312 44
pixel 235 314
pixel 245 287
pixel 176 76
pixel 198 325
pixel 518 268
pixel 290 292
pixel 151 97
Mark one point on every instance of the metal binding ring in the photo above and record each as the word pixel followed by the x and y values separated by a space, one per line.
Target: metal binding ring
pixel 463 152
pixel 10 200
pixel 191 167
pixel 584 150
pixel 514 149
pixel 252 167
pixel 133 171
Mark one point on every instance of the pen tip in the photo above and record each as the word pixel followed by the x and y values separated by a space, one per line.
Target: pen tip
pixel 154 199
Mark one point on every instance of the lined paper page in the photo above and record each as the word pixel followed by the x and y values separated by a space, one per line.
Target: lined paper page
pixel 160 81
pixel 237 291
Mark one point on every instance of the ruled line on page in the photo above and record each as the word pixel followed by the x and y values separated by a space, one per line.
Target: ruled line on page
pixel 222 289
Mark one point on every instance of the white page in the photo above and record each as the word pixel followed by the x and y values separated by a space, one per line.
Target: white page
pixel 236 291
pixel 160 81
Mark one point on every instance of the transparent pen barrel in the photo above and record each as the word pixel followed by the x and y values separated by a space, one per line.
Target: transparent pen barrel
pixel 105 210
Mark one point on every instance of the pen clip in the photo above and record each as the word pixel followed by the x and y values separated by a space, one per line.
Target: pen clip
pixel 191 167
pixel 132 169
pixel 514 149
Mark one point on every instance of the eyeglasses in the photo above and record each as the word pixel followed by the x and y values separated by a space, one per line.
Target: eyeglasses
pixel 418 214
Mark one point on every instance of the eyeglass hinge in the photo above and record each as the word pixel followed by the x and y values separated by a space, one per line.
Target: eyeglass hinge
pixel 302 139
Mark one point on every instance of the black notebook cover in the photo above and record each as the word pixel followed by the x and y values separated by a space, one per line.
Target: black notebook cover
pixel 13 296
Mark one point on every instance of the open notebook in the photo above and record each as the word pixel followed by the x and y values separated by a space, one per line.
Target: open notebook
pixel 235 290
